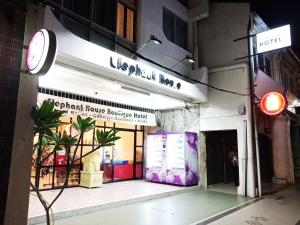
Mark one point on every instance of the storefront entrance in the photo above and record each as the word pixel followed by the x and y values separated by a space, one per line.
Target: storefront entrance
pixel 123 161
pixel 222 158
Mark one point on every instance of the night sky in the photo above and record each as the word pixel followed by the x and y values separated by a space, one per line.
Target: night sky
pixel 278 13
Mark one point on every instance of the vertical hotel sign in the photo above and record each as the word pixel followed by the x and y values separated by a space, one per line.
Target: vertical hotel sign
pixel 99 112
pixel 273 39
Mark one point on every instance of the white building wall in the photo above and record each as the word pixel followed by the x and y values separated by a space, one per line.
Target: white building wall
pixel 151 23
pixel 221 113
pixel 226 22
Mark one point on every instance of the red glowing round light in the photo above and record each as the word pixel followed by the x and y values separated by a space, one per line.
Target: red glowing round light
pixel 273 103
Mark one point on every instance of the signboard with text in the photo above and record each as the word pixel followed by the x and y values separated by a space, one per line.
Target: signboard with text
pixel 273 39
pixel 100 112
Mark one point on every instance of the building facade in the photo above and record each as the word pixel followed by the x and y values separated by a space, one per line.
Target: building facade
pixel 106 60
pixel 271 156
pixel 126 64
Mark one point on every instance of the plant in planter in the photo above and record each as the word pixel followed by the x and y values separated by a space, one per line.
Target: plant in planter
pixel 46 118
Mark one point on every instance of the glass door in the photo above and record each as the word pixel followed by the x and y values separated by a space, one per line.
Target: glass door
pixel 124 160
pixel 123 156
pixel 106 164
pixel 139 143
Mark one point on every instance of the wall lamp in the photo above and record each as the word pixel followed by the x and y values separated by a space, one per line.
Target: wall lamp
pixel 153 39
pixel 187 59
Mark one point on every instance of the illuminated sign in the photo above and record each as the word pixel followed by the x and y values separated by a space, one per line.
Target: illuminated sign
pixel 273 39
pixel 273 103
pixel 100 112
pixel 137 70
pixel 41 52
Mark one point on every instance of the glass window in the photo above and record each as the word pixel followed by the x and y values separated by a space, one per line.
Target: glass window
pixel 130 25
pixel 139 138
pixel 121 18
pixel 73 179
pixel 181 32
pixel 139 163
pixel 261 63
pixel 75 27
pixel 88 137
pixel 99 123
pixel 79 7
pixel 168 24
pixel 175 28
pixel 118 161
pixel 125 125
pixel 125 22
pixel 104 11
pixel 268 68
pixel 139 154
pixel 109 124
pixel 46 177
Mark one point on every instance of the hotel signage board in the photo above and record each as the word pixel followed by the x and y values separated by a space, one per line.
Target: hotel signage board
pixel 273 39
pixel 99 112
pixel 136 70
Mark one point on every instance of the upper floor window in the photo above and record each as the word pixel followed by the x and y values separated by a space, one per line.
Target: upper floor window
pixel 263 63
pixel 175 29
pixel 99 21
pixel 79 7
pixel 126 21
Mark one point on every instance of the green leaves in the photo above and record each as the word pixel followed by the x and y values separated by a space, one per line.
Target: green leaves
pixel 45 143
pixel 68 141
pixel 45 117
pixel 106 138
pixel 84 125
pixel 59 140
pixel 56 140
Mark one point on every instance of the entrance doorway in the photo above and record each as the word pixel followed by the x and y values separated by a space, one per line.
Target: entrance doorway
pixel 124 160
pixel 222 159
pixel 266 158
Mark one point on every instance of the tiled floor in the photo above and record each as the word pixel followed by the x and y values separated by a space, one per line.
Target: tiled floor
pixel 224 188
pixel 79 200
pixel 282 208
pixel 181 209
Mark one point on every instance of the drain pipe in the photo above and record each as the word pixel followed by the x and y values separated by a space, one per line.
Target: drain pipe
pixel 245 158
pixel 253 108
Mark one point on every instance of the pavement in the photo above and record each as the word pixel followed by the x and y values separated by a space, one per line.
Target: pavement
pixel 199 207
pixel 281 208
pixel 79 200
pixel 181 209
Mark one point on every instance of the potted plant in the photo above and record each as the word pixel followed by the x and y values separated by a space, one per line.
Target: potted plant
pixel 46 118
